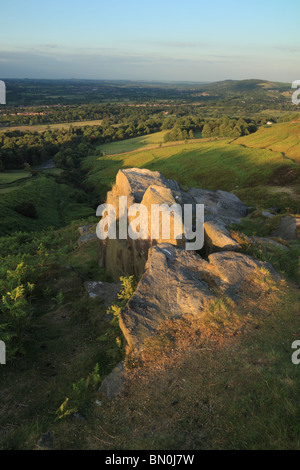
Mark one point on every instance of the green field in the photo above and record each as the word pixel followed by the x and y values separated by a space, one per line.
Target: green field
pixel 8 177
pixel 45 127
pixel 136 143
pixel 155 140
pixel 260 176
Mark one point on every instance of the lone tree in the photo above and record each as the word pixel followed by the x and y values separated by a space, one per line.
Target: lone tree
pixel 30 170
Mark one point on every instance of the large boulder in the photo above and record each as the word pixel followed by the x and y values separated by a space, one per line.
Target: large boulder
pixel 135 181
pixel 219 205
pixel 126 257
pixel 218 238
pixel 178 283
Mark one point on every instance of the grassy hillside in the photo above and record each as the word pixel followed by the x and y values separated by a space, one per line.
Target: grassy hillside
pixel 55 205
pixel 232 387
pixel 261 177
pixel 136 143
pixel 9 177
pixel 284 137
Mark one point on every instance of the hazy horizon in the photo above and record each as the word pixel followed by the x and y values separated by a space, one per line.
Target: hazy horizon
pixel 200 82
pixel 194 42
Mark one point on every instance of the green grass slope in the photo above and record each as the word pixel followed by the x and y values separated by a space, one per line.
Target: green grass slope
pixel 254 174
pixel 55 204
pixel 283 137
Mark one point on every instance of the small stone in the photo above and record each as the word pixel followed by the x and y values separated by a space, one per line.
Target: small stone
pixel 288 229
pixel 46 440
pixel 78 417
pixel 90 237
pixel 267 214
pixel 113 383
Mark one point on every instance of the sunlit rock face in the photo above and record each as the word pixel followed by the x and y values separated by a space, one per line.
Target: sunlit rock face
pixel 177 282
pixel 142 186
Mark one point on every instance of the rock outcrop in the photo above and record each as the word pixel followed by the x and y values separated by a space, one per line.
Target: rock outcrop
pixel 127 256
pixel 177 283
pixel 174 282
pixel 218 238
pixel 219 205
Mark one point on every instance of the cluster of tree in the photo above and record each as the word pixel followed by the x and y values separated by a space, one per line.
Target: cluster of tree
pixel 67 147
pixel 14 116
pixel 70 156
pixel 18 148
pixel 288 117
pixel 115 113
pixel 182 128
pixel 228 127
pixel 177 133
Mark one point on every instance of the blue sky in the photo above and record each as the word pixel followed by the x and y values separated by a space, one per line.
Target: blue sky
pixel 156 40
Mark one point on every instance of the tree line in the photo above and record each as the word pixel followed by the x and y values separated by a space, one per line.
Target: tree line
pixel 68 147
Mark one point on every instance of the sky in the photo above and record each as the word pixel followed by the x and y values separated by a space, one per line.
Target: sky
pixel 166 40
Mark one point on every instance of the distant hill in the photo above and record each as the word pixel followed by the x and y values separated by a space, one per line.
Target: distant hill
pixel 48 92
pixel 235 86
